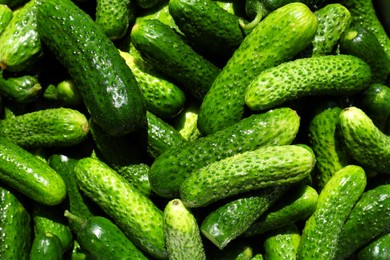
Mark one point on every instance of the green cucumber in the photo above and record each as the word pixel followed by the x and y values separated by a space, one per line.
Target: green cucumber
pixel 20 41
pixel 186 121
pixel 246 171
pixel 138 175
pixel 30 175
pixel 107 85
pixel 15 225
pixel 100 238
pixel 5 16
pixel 46 246
pixel 134 213
pixel 236 250
pixel 364 142
pixel 274 127
pixel 182 234
pixel 277 38
pixel 64 94
pixel 322 230
pixel 282 243
pixel 52 127
pixel 376 249
pixel 20 89
pixel 372 210
pixel 334 75
pixel 296 205
pixel 172 57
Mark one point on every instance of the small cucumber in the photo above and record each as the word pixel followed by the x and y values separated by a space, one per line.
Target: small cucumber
pixel 138 175
pixel 364 142
pixel 182 234
pixel 322 230
pixel 64 94
pixel 282 243
pixel 5 16
pixel 186 122
pixel 376 250
pixel 246 171
pixel 273 127
pixel 46 246
pixel 20 89
pixel 334 75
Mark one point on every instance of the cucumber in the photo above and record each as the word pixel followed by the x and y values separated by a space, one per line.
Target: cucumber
pixel 138 175
pixel 247 171
pixel 270 43
pixel 107 85
pixel 15 225
pixel 172 57
pixel 20 41
pixel 237 250
pixel 376 249
pixel 134 213
pixel 52 127
pixel 182 235
pixel 46 246
pixel 186 121
pixel 227 222
pixel 20 89
pixel 362 43
pixel 102 239
pixel 274 127
pixel 372 210
pixel 30 175
pixel 5 16
pixel 321 232
pixel 297 205
pixel 334 75
pixel 282 243
pixel 364 142
pixel 64 94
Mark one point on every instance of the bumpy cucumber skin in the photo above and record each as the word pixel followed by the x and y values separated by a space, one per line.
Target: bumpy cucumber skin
pixel 247 171
pixel 107 85
pixel 275 127
pixel 15 226
pixel 23 89
pixel 376 249
pixel 52 127
pixel 321 75
pixel 333 19
pixel 30 175
pixel 282 243
pixel 321 232
pixel 182 233
pixel 372 210
pixel 133 212
pixel 136 174
pixel 269 44
pixel 171 56
pixel 364 142
pixel 46 246
pixel 5 17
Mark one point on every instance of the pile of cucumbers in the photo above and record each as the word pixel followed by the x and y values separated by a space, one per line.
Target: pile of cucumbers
pixel 194 129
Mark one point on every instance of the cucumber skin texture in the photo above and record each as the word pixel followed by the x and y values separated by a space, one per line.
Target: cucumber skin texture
pixel 273 127
pixel 134 213
pixel 52 127
pixel 172 57
pixel 15 226
pixel 5 16
pixel 321 232
pixel 269 44
pixel 30 175
pixel 282 243
pixel 364 142
pixel 296 205
pixel 246 171
pixel 46 246
pixel 107 85
pixel 372 210
pixel 182 234
pixel 334 75
pixel 22 89
pixel 376 249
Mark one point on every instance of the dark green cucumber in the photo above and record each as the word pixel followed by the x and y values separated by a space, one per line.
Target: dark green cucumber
pixel 46 246
pixel 296 205
pixel 182 234
pixel 282 243
pixel 270 43
pixel 20 89
pixel 15 225
pixel 376 249
pixel 107 85
pixel 64 94
pixel 362 43
pixel 52 127
pixel 372 210
pixel 227 222
pixel 364 142
pixel 134 213
pixel 322 230
pixel 246 171
pixel 275 127
pixel 102 239
pixel 30 175
pixel 20 41
pixel 5 16
pixel 334 75
pixel 210 29
pixel 172 57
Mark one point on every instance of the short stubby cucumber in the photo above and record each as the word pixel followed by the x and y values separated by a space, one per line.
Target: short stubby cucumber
pixel 278 38
pixel 247 171
pixel 46 246
pixel 168 171
pixel 364 142
pixel 318 75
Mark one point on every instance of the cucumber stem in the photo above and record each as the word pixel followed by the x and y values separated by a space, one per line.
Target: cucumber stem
pixel 81 222
pixel 261 12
